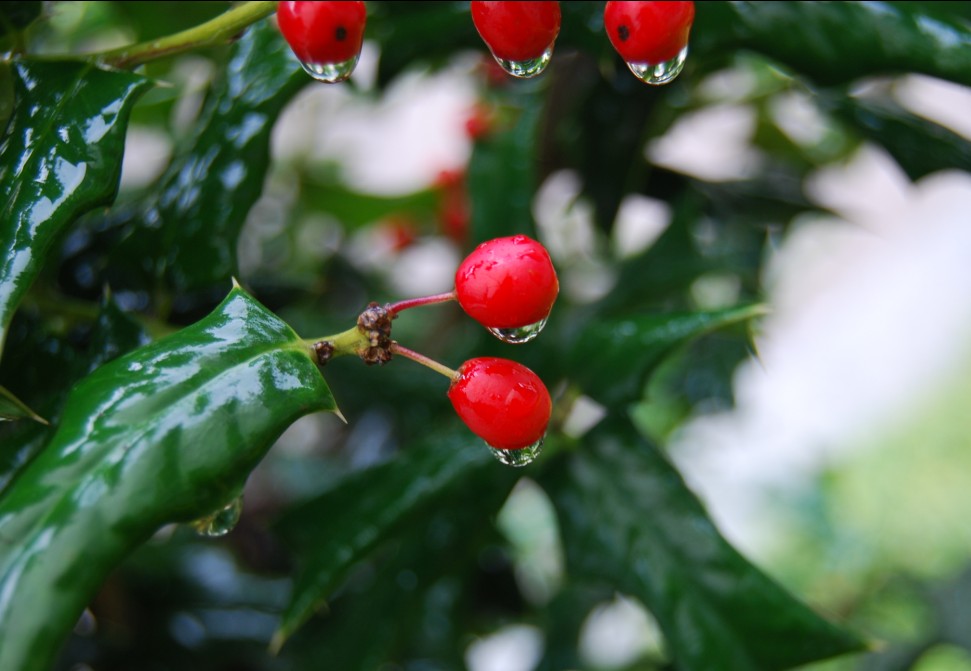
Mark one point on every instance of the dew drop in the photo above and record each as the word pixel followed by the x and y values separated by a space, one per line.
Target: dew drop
pixel 518 458
pixel 87 624
pixel 220 522
pixel 657 74
pixel 519 335
pixel 331 73
pixel 529 67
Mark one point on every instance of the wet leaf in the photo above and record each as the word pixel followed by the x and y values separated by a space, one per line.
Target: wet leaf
pixel 186 236
pixel 628 521
pixel 60 158
pixel 373 504
pixel 46 364
pixel 837 42
pixel 167 433
pixel 417 578
pixel 613 357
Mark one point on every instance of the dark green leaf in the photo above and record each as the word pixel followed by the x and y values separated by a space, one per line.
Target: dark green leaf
pixel 502 172
pixel 60 158
pixel 429 32
pixel 837 42
pixel 628 520
pixel 165 434
pixel 46 365
pixel 417 578
pixel 372 504
pixel 613 357
pixel 189 229
pixel 609 170
pixel 919 146
pixel 12 407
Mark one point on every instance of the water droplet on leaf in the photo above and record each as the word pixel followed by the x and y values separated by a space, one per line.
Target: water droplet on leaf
pixel 518 458
pixel 529 67
pixel 86 625
pixel 220 522
pixel 519 335
pixel 657 74
pixel 330 73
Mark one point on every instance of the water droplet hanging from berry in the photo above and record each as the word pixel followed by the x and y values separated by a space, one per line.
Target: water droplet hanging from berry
pixel 518 458
pixel 651 37
pixel 326 37
pixel 520 35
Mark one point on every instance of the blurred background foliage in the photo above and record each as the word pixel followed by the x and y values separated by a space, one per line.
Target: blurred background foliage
pixel 394 541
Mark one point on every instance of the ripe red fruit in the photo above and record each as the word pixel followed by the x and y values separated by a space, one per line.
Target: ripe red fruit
pixel 517 31
pixel 323 33
pixel 507 283
pixel 648 32
pixel 502 402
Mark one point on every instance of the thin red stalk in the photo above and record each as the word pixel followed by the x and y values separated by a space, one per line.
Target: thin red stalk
pixel 395 308
pixel 424 361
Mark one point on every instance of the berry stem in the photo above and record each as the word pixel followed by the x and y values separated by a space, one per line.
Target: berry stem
pixel 220 30
pixel 424 361
pixel 351 341
pixel 395 308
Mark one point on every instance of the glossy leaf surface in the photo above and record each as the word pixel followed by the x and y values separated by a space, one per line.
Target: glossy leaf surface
pixel 60 158
pixel 165 434
pixel 46 365
pixel 613 357
pixel 717 611
pixel 837 42
pixel 419 567
pixel 191 225
pixel 373 503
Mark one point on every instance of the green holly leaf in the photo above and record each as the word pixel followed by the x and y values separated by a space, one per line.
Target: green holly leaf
pixel 190 223
pixel 45 365
pixel 613 357
pixel 167 433
pixel 60 158
pixel 628 521
pixel 417 568
pixel 837 42
pixel 374 504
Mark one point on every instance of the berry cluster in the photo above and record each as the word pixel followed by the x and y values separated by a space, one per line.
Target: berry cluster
pixel 509 286
pixel 652 37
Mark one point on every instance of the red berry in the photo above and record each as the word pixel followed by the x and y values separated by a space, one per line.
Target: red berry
pixel 648 32
pixel 502 402
pixel 323 33
pixel 517 31
pixel 507 283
